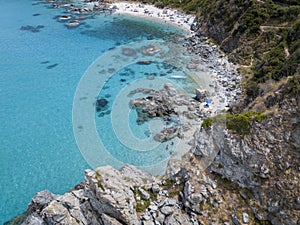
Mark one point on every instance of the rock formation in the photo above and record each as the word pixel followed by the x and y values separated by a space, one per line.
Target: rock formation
pixel 254 178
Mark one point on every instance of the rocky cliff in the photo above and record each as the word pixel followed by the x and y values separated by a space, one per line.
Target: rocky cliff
pixel 254 179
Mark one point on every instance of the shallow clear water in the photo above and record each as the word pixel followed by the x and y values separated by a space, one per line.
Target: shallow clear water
pixel 39 74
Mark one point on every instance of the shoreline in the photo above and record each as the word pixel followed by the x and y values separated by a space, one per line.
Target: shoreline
pixel 222 75
pixel 138 10
pixel 146 11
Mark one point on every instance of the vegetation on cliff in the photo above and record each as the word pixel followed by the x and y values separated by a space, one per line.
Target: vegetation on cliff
pixel 262 36
pixel 239 123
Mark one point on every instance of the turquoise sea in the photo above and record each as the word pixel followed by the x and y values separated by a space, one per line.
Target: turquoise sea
pixel 42 63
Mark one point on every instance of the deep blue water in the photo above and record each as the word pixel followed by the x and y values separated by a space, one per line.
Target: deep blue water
pixel 39 72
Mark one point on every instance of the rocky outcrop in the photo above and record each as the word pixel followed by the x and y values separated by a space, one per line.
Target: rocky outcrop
pixel 266 164
pixel 109 196
pixel 106 197
pixel 254 179
pixel 226 178
pixel 178 109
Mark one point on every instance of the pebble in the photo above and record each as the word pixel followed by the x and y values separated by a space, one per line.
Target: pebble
pixel 235 220
pixel 153 207
pixel 245 218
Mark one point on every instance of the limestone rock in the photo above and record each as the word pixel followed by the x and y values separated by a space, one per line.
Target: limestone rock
pixel 34 219
pixel 40 200
pixel 177 218
pixel 167 210
pixel 201 95
pixel 144 194
pixel 107 220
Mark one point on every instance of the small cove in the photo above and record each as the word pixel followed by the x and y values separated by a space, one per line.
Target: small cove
pixel 42 62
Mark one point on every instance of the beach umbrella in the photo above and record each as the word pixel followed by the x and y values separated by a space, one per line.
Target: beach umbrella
pixel 207 101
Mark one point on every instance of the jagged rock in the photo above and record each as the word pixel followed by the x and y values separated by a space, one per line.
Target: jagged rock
pixel 56 212
pixel 170 89
pixel 152 207
pixel 145 195
pixel 40 200
pixel 201 95
pixel 106 194
pixel 167 210
pixel 146 216
pixel 160 218
pixel 166 134
pixel 137 177
pixel 115 201
pixel 169 202
pixel 205 145
pixel 192 197
pixel 148 222
pixel 34 219
pixel 155 188
pixel 108 220
pixel 235 220
pixel 173 168
pixel 177 218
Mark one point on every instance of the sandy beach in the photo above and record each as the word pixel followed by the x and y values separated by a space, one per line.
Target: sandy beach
pixel 166 15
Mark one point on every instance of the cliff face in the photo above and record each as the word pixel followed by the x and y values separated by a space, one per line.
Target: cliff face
pixel 107 196
pixel 266 164
pixel 253 180
pixel 129 196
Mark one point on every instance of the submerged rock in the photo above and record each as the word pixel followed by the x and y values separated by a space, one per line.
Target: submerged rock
pixel 128 52
pixel 32 28
pixel 101 104
pixel 73 23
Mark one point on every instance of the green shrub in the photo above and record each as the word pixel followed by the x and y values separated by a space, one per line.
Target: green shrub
pixel 207 123
pixel 293 86
pixel 239 123
pixel 142 205
pixel 100 186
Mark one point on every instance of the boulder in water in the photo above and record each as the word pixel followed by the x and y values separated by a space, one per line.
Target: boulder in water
pixel 101 104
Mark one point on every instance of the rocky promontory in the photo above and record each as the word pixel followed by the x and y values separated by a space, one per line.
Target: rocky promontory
pixel 253 180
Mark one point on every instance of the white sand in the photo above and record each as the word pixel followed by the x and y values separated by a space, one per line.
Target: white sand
pixel 174 18
pixel 169 16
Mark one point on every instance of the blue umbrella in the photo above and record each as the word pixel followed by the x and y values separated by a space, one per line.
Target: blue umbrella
pixel 207 101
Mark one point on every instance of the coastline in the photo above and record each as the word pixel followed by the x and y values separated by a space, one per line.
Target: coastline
pixel 223 74
pixel 224 79
pixel 246 174
pixel 168 16
pixel 138 10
